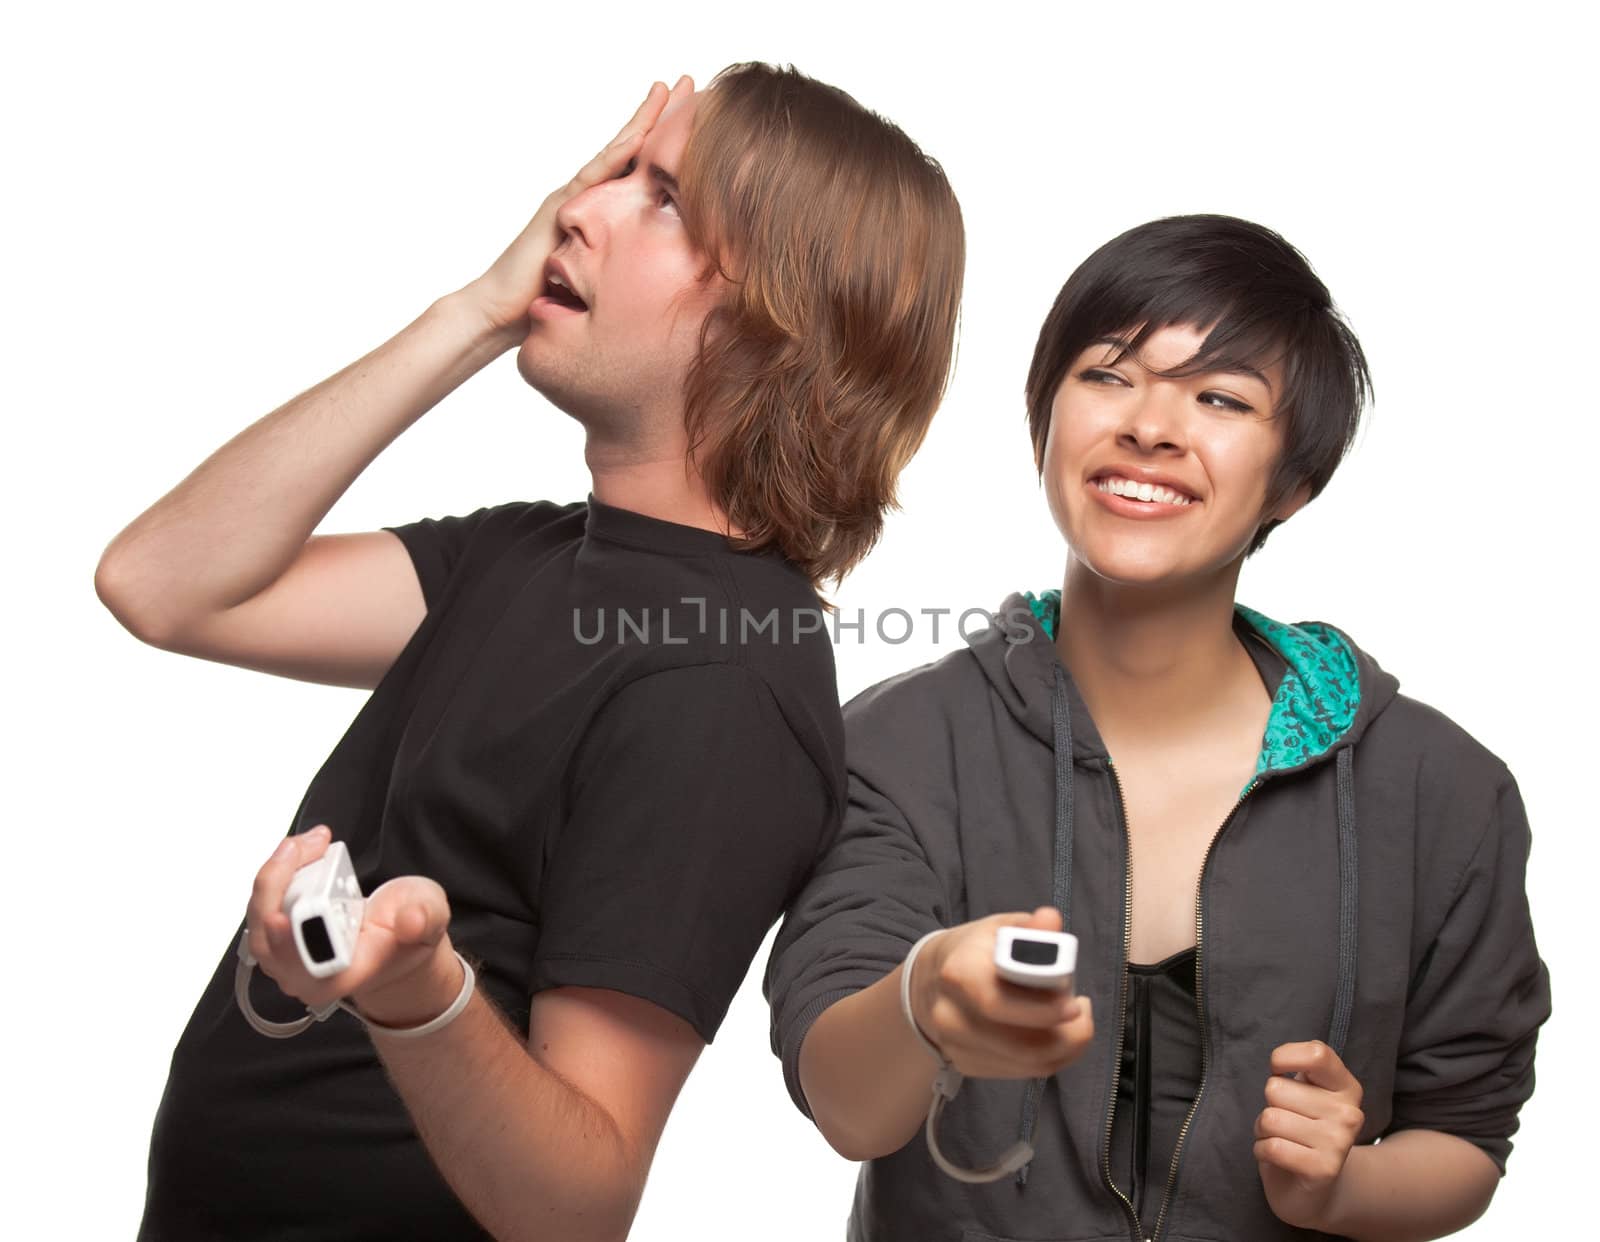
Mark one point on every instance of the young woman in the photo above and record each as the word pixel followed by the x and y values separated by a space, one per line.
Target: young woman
pixel 1298 894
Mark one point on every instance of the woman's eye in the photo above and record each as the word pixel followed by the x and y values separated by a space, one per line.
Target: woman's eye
pixel 1218 401
pixel 1095 375
pixel 665 200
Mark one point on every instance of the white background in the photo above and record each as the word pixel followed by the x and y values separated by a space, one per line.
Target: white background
pixel 213 208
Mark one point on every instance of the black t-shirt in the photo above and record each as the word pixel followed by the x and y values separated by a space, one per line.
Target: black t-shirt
pixel 616 743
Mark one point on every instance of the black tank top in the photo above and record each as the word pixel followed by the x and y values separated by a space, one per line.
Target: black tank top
pixel 1160 1075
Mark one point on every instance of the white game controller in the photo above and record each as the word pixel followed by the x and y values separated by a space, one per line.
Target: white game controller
pixel 1036 959
pixel 325 908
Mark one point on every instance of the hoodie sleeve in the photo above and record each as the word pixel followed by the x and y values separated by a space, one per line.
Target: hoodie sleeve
pixel 1479 996
pixel 869 900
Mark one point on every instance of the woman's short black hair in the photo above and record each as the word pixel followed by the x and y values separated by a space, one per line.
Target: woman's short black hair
pixel 1262 303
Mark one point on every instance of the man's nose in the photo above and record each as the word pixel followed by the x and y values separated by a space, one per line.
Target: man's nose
pixel 583 215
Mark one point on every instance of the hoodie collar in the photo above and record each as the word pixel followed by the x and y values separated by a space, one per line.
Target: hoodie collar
pixel 1325 689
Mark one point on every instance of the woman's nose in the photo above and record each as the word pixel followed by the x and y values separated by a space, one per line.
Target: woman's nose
pixel 1154 422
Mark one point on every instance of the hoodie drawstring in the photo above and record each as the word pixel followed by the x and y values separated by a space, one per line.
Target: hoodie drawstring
pixel 1344 993
pixel 1061 885
pixel 1060 869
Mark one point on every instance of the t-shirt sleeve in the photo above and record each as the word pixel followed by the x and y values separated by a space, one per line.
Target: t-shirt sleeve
pixel 692 816
pixel 1478 999
pixel 438 544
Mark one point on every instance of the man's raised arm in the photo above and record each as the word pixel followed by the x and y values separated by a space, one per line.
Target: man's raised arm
pixel 224 566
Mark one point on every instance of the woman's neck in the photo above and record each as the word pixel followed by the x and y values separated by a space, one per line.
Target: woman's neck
pixel 1155 663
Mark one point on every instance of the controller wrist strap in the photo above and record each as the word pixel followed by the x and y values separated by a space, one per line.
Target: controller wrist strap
pixel 945 1085
pixel 284 1030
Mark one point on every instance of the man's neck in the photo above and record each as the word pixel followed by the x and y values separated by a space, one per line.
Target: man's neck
pixel 668 489
pixel 1155 664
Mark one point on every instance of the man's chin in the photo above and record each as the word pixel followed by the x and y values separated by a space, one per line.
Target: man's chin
pixel 543 378
pixel 582 407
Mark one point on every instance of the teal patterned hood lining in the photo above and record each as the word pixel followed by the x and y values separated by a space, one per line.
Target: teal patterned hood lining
pixel 1317 700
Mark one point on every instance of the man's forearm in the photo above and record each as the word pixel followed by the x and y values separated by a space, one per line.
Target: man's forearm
pixel 866 1078
pixel 239 519
pixel 529 1155
pixel 1414 1185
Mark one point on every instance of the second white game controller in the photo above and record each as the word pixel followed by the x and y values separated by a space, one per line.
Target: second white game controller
pixel 325 909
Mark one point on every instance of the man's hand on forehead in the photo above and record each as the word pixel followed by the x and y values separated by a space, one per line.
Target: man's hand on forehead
pixel 632 135
pixel 507 290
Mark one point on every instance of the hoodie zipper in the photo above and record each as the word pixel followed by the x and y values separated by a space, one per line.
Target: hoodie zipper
pixel 1199 999
pixel 1200 1007
pixel 1122 1003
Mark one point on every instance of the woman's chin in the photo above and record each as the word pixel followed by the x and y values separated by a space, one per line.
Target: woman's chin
pixel 1134 577
pixel 1124 559
pixel 1135 560
pixel 1144 568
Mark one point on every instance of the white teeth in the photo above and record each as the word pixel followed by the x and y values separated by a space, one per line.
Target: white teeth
pixel 555 279
pixel 1147 492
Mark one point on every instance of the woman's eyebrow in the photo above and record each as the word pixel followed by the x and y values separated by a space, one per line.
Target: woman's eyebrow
pixel 1232 368
pixel 1249 372
pixel 660 174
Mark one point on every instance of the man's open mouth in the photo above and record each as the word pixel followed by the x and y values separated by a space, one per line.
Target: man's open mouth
pixel 559 292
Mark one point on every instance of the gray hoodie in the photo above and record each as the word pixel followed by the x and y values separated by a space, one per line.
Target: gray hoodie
pixel 1366 890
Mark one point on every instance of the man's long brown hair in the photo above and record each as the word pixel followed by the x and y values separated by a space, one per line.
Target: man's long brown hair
pixel 819 372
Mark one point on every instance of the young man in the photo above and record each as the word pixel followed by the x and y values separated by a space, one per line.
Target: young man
pixel 1297 893
pixel 603 746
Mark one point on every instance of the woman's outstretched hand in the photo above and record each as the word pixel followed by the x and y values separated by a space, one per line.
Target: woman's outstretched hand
pixel 986 1026
pixel 504 293
pixel 1306 1131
